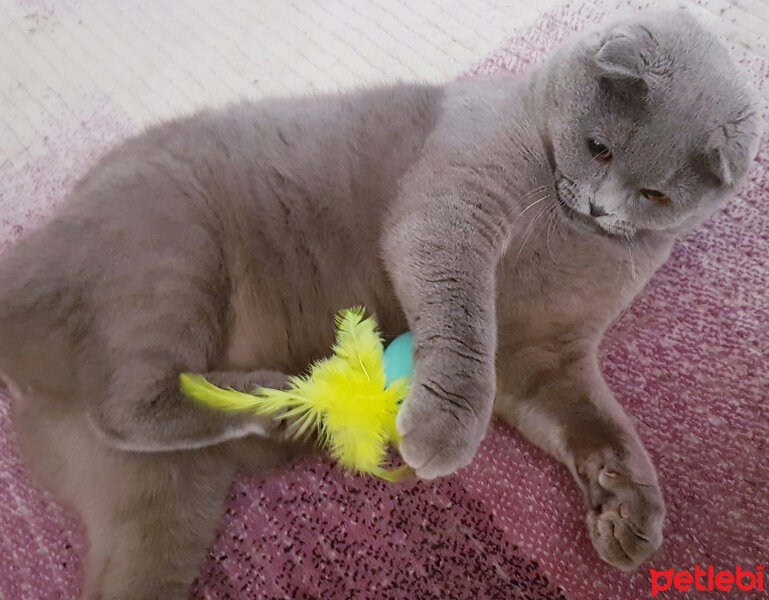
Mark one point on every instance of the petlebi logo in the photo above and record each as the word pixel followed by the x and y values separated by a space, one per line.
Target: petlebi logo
pixel 707 580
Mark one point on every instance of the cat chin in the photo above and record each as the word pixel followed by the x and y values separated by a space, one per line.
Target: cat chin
pixel 615 228
pixel 587 224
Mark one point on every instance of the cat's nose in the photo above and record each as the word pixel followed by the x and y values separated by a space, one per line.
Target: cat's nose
pixel 597 211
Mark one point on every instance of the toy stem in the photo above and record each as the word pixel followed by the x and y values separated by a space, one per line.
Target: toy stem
pixel 395 475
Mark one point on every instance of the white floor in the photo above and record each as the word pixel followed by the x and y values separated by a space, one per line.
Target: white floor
pixel 158 59
pixel 77 75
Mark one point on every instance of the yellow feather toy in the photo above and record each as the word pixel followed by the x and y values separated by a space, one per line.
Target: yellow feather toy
pixel 348 400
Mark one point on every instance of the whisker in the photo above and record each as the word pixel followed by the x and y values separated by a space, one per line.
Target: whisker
pixel 537 201
pixel 510 229
pixel 527 233
pixel 550 220
pixel 633 271
pixel 523 199
pixel 632 261
pixel 512 225
pixel 533 192
pixel 619 318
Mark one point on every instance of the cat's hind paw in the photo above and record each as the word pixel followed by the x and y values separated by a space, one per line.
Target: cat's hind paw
pixel 626 527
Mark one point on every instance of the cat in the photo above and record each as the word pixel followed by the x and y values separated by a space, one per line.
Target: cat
pixel 505 221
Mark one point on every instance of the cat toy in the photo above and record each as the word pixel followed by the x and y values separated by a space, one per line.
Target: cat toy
pixel 348 400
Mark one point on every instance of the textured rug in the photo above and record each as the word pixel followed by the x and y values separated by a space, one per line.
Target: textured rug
pixel 689 360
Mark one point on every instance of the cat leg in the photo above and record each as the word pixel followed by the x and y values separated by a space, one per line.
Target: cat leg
pixel 247 450
pixel 555 395
pixel 155 416
pixel 158 304
pixel 150 521
pixel 442 257
pixel 150 518
pixel 152 321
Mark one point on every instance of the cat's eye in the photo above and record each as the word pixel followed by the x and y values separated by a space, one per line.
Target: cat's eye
pixel 598 151
pixel 655 196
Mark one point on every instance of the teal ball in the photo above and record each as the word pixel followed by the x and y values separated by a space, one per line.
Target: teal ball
pixel 399 358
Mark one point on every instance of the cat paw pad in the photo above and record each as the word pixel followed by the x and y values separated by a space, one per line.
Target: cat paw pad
pixel 625 517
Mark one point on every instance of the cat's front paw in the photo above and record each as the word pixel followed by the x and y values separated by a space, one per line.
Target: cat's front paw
pixel 440 428
pixel 625 516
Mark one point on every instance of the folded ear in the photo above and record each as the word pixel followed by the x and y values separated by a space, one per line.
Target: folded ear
pixel 731 148
pixel 624 53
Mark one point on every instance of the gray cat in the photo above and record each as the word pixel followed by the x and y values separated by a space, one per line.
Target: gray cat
pixel 506 221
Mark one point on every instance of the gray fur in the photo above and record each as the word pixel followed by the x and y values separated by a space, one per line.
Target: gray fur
pixel 224 243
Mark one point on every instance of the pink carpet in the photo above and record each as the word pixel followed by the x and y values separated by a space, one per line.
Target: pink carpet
pixel 690 361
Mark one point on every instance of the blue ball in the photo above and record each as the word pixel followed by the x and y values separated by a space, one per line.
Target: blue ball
pixel 399 358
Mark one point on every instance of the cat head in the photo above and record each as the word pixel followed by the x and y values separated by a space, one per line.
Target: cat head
pixel 651 125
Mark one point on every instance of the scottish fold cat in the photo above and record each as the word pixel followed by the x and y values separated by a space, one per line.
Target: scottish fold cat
pixel 506 221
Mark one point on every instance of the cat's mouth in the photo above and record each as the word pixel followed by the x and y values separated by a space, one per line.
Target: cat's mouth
pixel 587 223
pixel 579 220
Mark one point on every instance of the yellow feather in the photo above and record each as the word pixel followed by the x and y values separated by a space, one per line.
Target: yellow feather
pixel 343 399
pixel 197 387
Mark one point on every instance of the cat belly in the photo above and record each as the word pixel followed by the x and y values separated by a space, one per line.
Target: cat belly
pixel 291 325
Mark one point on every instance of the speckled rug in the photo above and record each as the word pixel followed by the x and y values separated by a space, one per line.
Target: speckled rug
pixel 690 361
